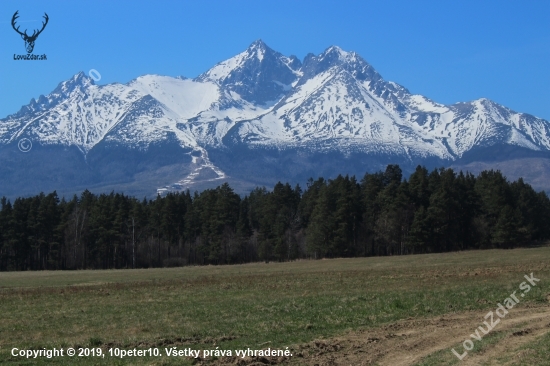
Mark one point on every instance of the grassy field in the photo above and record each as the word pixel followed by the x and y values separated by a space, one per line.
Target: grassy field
pixel 257 305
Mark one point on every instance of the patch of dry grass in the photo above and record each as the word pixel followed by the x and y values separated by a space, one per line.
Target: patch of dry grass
pixel 238 306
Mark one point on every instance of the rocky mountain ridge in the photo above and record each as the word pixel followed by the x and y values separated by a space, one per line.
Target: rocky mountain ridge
pixel 259 111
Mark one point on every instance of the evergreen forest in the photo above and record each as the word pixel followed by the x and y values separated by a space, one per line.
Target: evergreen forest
pixel 378 215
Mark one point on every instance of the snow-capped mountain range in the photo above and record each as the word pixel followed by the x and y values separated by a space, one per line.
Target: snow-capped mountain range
pixel 258 112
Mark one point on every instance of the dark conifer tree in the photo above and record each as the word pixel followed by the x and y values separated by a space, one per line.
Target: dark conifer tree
pixel 383 215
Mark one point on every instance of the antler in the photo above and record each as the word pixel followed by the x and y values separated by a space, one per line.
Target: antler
pixel 13 19
pixel 43 25
pixel 34 34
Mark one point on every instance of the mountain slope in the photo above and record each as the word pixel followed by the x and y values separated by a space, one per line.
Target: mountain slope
pixel 255 118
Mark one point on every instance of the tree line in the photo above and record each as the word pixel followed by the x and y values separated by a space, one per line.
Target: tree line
pixel 382 214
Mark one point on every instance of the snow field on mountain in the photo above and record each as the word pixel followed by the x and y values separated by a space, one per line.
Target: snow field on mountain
pixel 335 96
pixel 185 98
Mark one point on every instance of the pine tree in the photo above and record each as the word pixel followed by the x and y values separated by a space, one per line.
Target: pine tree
pixel 371 186
pixel 444 211
pixel 320 228
pixel 5 249
pixel 419 187
pixel 420 232
pixel 505 233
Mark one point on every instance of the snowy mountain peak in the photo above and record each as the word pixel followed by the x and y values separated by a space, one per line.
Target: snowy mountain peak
pixel 258 74
pixel 334 101
pixel 256 55
pixel 259 47
pixel 335 50
pixel 335 57
pixel 336 93
pixel 258 43
pixel 78 80
pixel 77 84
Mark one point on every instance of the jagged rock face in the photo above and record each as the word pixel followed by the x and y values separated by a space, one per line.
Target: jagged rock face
pixel 249 113
pixel 258 75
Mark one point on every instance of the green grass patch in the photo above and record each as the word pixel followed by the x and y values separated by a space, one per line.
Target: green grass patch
pixel 533 353
pixel 447 357
pixel 253 305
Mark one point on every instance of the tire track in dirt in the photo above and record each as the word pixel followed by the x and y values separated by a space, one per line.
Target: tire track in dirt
pixel 407 342
pixel 531 326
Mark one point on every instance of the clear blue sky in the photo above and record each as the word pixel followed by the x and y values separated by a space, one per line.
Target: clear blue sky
pixel 449 51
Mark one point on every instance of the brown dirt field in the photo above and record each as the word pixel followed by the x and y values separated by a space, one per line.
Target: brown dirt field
pixel 408 341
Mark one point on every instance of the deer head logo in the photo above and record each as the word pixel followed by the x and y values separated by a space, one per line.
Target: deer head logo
pixel 29 40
